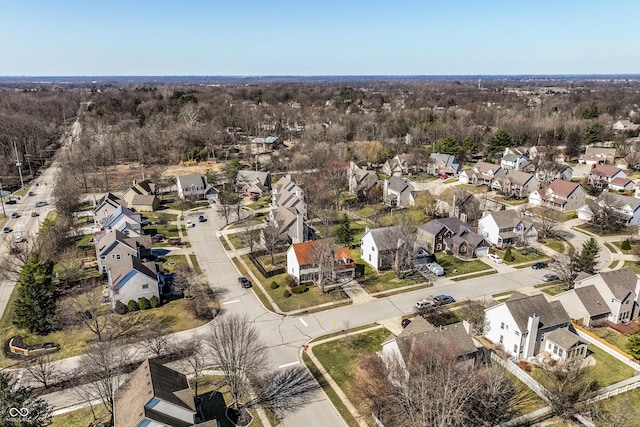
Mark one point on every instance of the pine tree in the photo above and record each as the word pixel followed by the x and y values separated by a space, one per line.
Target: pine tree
pixel 626 245
pixel 345 232
pixel 508 256
pixel 35 304
pixel 587 259
pixel 633 345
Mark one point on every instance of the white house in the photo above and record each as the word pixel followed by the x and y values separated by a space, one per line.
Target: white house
pixel 625 125
pixel 609 295
pixel 305 259
pixel 194 186
pixel 132 279
pixel 598 156
pixel 377 247
pixel 505 228
pixel 482 173
pixel 522 323
pixel 125 220
pixel 625 209
pixel 559 195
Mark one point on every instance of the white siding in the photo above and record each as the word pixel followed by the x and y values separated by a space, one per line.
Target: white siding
pixel 503 329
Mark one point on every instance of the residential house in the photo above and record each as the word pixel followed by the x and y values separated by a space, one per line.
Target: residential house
pixel 624 209
pixel 155 395
pixel 506 228
pixel 522 324
pixel 378 247
pixel 454 235
pixel 360 180
pixel 124 220
pixel 511 161
pixel 397 166
pixel 289 211
pixel 307 260
pixel 600 175
pixel 598 156
pixel 443 164
pixel 131 279
pixel 263 145
pixel 113 245
pixel 194 187
pixel 285 193
pixel 419 333
pixel 549 171
pixel 621 184
pixel 612 296
pixel 563 345
pixel 398 192
pixel 624 126
pixel 515 183
pixel 106 206
pixel 141 196
pixel 254 184
pixel 465 207
pixel 482 173
pixel 559 195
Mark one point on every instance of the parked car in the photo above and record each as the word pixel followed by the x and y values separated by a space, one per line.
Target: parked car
pixel 202 218
pixel 425 303
pixel 435 268
pixel 405 323
pixel 527 213
pixel 443 299
pixel 495 258
pixel 190 224
pixel 145 222
pixel 539 265
pixel 444 176
pixel 11 202
pixel 244 282
pixel 34 213
pixel 6 230
pixel 156 238
pixel 31 193
pixel 15 215
pixel 550 277
pixel 18 237
pixel 40 204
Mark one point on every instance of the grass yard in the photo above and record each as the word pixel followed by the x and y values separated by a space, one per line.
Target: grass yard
pixel 81 417
pixel 555 244
pixel 525 401
pixel 474 188
pixel 373 281
pixel 612 337
pixel 520 256
pixel 619 246
pixel 263 202
pixel 256 219
pixel 589 228
pixel 311 298
pixel 473 276
pixel 455 266
pixel 358 228
pixel 371 210
pixel 169 230
pixel 632 265
pixel 172 262
pixel 554 289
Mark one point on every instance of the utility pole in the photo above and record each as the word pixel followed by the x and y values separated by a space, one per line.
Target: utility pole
pixel 18 164
pixel 2 200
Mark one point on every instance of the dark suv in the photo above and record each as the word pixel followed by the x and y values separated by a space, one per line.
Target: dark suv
pixel 244 282
pixel 443 299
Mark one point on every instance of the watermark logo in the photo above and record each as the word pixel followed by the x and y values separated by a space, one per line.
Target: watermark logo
pixel 19 414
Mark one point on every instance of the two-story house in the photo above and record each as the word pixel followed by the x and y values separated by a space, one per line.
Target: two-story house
pixel 511 161
pixel 396 166
pixel 452 234
pixel 378 247
pixel 522 326
pixel 613 296
pixel 124 220
pixel 598 156
pixel 398 192
pixel 195 186
pixel 113 245
pixel 132 278
pixel 443 164
pixel 600 176
pixel 625 126
pixel 155 395
pixel 253 183
pixel 548 171
pixel 360 180
pixel 506 228
pixel 624 209
pixel 559 195
pixel 106 206
pixel 515 183
pixel 141 196
pixel 482 173
pixel 307 261
pixel 289 211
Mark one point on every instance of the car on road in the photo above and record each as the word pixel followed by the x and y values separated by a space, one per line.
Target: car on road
pixel 550 277
pixel 244 282
pixel 443 299
pixel 425 303
pixel 18 237
pixel 6 230
pixel 539 265
pixel 156 238
pixel 202 218
pixel 15 215
pixel 34 213
pixel 31 193
pixel 40 204
pixel 190 224
pixel 11 202
pixel 495 258
pixel 405 323
pixel 435 268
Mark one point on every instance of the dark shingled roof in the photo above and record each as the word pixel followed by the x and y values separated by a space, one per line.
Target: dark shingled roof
pixel 592 300
pixel 564 338
pixel 420 330
pixel 522 307
pixel 621 282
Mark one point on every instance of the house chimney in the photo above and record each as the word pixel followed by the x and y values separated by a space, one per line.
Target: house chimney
pixel 532 335
pixel 468 326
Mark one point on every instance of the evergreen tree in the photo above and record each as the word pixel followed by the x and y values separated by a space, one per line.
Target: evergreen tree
pixel 587 258
pixel 19 407
pixel 633 345
pixel 345 232
pixel 501 140
pixel 508 256
pixel 35 304
pixel 626 245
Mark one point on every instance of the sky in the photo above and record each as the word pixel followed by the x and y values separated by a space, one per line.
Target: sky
pixel 315 38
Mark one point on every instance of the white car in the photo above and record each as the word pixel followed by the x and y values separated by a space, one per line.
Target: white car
pixel 495 258
pixel 190 224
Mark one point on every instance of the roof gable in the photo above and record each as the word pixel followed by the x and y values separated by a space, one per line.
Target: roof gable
pixel 522 307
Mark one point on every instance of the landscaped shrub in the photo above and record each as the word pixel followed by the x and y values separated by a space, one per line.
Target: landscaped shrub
pixel 626 245
pixel 144 304
pixel 154 302
pixel 133 305
pixel 286 293
pixel 508 256
pixel 120 308
pixel 291 281
pixel 449 252
pixel 299 289
pixel 274 285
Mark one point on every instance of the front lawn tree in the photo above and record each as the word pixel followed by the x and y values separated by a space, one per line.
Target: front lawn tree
pixel 587 259
pixel 14 397
pixel 345 233
pixel 35 304
pixel 271 238
pixel 568 387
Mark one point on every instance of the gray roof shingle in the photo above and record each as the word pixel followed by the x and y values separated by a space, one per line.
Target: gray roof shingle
pixel 522 307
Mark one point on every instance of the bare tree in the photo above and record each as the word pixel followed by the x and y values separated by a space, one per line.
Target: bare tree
pixel 322 256
pixel 402 239
pixel 473 312
pixel 156 341
pixel 548 224
pixel 568 387
pixel 251 237
pixel 271 238
pixel 606 213
pixel 562 266
pixel 192 357
pixel 42 370
pixel 66 194
pixel 236 350
pixel 283 390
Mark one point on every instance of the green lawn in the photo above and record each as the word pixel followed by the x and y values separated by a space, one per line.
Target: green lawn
pixel 169 230
pixel 520 256
pixel 455 267
pixel 358 227
pixel 373 281
pixel 554 289
pixel 632 265
pixel 263 202
pixel 596 230
pixel 555 244
pixel 473 188
pixel 157 216
pixel 619 246
pixel 612 337
pixel 473 276
pixel 81 417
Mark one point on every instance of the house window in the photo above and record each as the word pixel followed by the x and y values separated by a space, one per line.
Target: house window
pixel 439 247
pixel 145 286
pixel 517 333
pixel 117 256
pixel 501 325
pixel 501 339
pixel 515 348
pixel 369 257
pixel 373 248
pixel 103 257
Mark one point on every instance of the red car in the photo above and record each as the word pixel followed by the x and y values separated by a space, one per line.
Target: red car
pixel 444 176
